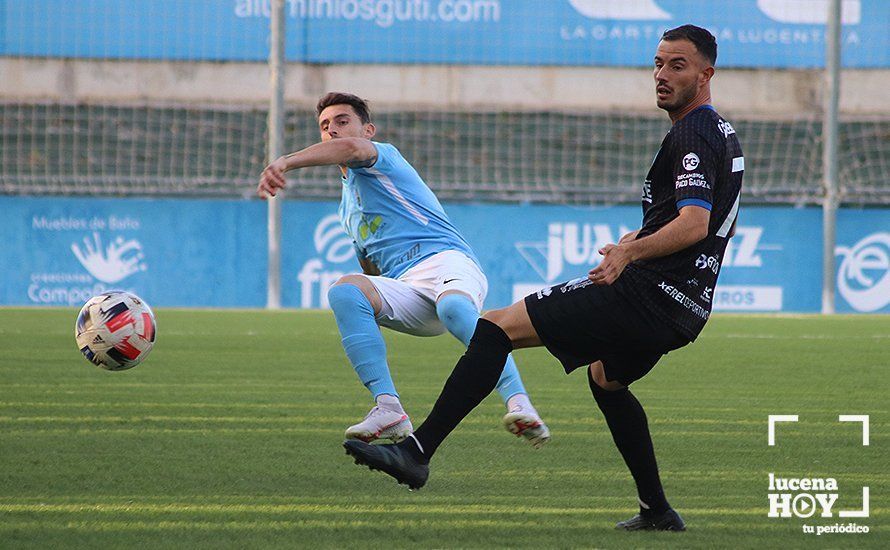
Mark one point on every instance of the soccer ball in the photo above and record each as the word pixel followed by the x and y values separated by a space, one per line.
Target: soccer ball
pixel 115 330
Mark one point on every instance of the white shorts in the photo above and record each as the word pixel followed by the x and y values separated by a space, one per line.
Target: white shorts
pixel 409 302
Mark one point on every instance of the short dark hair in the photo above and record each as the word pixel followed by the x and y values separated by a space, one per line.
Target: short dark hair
pixel 703 40
pixel 340 98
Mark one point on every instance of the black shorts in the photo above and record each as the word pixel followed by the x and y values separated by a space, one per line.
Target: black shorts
pixel 581 323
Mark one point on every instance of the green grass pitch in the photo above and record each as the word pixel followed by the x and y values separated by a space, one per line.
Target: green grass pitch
pixel 229 436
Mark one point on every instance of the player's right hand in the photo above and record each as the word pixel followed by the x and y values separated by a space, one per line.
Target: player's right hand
pixel 272 178
pixel 615 259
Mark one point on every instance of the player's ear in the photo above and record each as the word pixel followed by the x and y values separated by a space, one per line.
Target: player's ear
pixel 706 74
pixel 370 130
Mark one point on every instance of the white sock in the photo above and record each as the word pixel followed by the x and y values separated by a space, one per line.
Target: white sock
pixel 390 403
pixel 519 401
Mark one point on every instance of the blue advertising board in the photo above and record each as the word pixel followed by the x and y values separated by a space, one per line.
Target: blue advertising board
pixel 61 251
pixel 750 33
pixel 212 253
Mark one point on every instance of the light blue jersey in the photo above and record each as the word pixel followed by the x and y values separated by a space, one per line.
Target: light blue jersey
pixel 392 216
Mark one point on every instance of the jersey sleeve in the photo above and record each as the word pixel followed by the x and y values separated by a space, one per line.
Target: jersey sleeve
pixel 694 170
pixel 387 156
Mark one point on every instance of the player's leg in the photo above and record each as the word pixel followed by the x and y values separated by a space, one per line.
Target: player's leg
pixel 356 304
pixel 630 431
pixel 497 333
pixel 402 307
pixel 475 376
pixel 459 314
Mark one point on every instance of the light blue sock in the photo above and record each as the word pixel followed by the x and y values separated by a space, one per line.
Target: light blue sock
pixel 459 315
pixel 361 338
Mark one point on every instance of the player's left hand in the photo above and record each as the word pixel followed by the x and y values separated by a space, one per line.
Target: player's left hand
pixel 615 259
pixel 272 179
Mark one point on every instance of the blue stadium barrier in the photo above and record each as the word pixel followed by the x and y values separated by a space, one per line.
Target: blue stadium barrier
pixel 761 33
pixel 212 253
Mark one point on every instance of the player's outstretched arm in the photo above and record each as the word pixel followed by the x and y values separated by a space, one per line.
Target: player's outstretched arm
pixel 351 152
pixel 682 232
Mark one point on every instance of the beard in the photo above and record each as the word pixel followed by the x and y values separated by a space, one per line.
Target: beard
pixel 678 100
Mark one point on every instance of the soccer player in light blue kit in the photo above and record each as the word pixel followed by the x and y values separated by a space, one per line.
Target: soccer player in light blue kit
pixel 419 276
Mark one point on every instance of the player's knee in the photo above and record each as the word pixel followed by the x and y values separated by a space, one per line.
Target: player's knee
pixel 353 279
pixel 456 308
pixel 601 388
pixel 346 296
pixel 343 293
pixel 459 315
pixel 496 316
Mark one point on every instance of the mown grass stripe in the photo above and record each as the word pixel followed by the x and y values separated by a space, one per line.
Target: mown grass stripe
pixel 327 419
pixel 331 524
pixel 334 429
pixel 421 508
pixel 829 412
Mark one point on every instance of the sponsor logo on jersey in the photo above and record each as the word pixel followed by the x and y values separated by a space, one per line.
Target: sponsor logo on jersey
pixel 691 161
pixel 647 191
pixel 575 284
pixel 547 291
pixel 708 262
pixel 684 300
pixel 725 128
pixel 706 294
pixel 694 179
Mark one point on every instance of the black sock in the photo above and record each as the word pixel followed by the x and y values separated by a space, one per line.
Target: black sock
pixel 412 445
pixel 475 375
pixel 630 430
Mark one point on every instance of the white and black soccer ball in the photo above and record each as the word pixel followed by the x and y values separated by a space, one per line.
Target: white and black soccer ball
pixel 115 330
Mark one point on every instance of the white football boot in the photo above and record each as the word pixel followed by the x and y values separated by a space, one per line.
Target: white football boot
pixel 522 420
pixel 385 421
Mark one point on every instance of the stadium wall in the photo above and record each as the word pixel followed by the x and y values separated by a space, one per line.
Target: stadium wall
pixel 68 249
pixel 768 92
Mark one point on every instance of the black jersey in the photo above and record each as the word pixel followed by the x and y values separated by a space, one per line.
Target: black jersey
pixel 700 163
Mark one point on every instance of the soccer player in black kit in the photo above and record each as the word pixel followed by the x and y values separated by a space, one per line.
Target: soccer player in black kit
pixel 651 293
